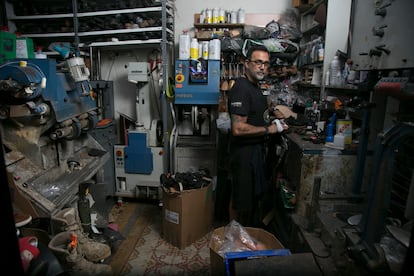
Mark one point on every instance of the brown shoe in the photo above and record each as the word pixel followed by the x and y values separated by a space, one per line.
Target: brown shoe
pixel 70 255
pixel 67 220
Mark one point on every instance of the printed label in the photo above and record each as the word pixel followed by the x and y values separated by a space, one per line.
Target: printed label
pixel 172 217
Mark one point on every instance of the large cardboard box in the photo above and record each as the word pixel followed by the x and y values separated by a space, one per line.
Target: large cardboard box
pixel 187 215
pixel 217 262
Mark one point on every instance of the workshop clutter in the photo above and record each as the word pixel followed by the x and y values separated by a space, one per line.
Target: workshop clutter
pixel 279 36
pixel 248 241
pixel 187 207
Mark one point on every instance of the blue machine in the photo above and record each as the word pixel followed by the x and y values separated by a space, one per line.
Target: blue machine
pixel 47 110
pixel 197 82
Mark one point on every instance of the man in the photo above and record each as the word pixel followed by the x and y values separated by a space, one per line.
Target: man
pixel 247 106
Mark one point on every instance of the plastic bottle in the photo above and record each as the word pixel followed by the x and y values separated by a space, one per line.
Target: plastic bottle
pixel 327 78
pixel 321 51
pixel 330 129
pixel 194 49
pixel 335 71
pixel 205 50
pixel 240 16
pixel 184 46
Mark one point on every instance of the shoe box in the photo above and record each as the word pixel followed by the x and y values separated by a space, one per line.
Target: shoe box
pixel 187 215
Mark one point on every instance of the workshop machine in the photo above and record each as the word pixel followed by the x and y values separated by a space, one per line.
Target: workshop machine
pixel 139 161
pixel 193 138
pixel 47 109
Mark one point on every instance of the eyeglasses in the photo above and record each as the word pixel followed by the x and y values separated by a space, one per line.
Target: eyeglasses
pixel 259 63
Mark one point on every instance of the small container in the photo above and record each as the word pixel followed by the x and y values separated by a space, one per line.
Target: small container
pixel 215 19
pixel 222 16
pixel 200 50
pixel 202 18
pixel 233 17
pixel 209 16
pixel 205 50
pixel 240 16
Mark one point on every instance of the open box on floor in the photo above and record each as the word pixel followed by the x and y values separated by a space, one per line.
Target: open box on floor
pixel 224 265
pixel 187 215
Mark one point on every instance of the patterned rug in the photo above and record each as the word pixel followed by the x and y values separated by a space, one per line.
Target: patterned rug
pixel 145 252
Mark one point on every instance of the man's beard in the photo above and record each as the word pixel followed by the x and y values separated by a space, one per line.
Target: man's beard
pixel 260 76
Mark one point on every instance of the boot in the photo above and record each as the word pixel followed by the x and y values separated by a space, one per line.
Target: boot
pixel 69 253
pixel 66 220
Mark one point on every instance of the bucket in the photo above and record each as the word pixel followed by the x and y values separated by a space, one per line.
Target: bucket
pixel 345 127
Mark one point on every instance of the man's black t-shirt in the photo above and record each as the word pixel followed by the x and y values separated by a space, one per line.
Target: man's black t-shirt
pixel 247 99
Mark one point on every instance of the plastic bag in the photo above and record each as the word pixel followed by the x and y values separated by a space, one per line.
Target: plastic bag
pixel 249 43
pixel 236 239
pixel 255 32
pixel 229 44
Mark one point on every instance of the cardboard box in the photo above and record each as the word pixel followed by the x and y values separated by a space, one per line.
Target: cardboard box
pixel 217 262
pixel 187 216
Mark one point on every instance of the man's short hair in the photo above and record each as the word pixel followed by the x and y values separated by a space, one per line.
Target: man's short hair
pixel 256 48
